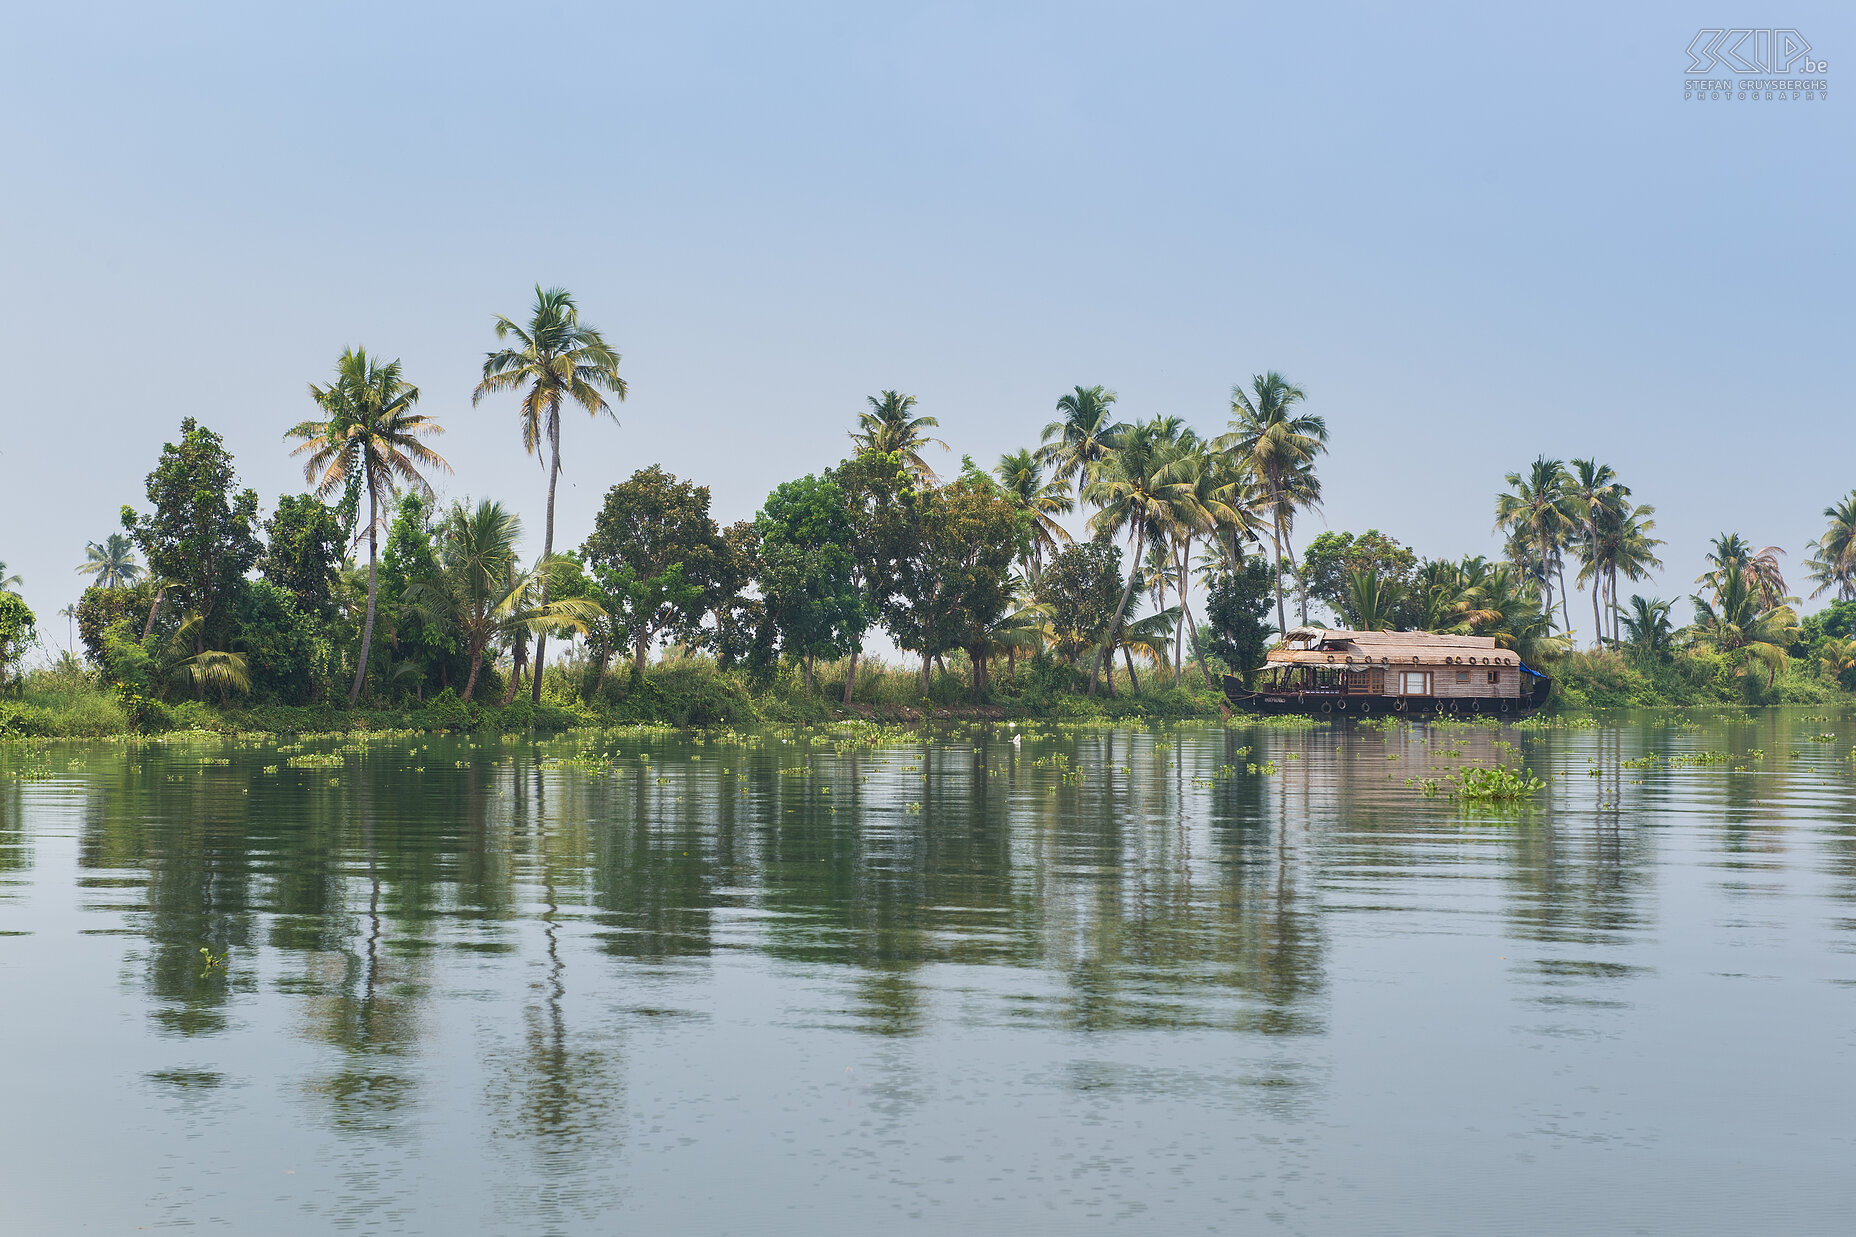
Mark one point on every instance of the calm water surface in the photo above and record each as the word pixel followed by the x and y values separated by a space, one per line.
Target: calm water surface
pixel 1177 980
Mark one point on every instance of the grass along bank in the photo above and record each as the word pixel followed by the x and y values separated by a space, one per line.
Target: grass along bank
pixel 72 702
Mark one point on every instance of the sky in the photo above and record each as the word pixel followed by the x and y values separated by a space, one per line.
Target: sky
pixel 1474 234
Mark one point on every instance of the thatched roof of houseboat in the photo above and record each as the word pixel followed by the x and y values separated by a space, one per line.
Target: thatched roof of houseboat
pixel 1315 646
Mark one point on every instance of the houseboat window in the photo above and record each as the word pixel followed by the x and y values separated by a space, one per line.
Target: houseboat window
pixel 1495 676
pixel 1462 676
pixel 1414 682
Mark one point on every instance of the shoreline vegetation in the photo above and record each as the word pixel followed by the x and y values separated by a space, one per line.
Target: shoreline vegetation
pixel 204 612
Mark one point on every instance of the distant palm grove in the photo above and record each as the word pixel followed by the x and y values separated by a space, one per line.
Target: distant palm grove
pixel 367 594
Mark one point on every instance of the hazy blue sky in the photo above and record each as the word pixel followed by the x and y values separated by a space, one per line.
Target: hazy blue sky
pixel 1474 234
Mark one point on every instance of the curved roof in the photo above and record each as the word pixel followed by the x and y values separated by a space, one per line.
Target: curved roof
pixel 1316 645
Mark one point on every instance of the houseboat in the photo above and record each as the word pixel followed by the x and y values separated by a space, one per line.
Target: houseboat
pixel 1315 670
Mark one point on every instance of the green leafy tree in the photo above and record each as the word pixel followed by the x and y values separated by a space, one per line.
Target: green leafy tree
pixel 556 360
pixel 423 646
pixel 198 533
pixel 1331 560
pixel 1236 603
pixel 303 554
pixel 658 556
pixel 368 436
pixel 18 629
pixel 813 605
pixel 111 562
pixel 1077 592
pixel 738 613
pixel 956 582
pixel 882 495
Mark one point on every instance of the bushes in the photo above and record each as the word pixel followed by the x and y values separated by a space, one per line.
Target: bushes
pixel 1611 680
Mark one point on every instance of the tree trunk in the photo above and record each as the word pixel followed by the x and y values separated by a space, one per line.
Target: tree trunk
pixel 547 545
pixel 1565 609
pixel 1282 619
pixel 850 678
pixel 807 666
pixel 1108 641
pixel 1598 625
pixel 367 628
pixel 476 664
pixel 1179 626
pixel 1193 626
pixel 924 676
pixel 515 672
pixel 639 652
pixel 1134 680
pixel 154 610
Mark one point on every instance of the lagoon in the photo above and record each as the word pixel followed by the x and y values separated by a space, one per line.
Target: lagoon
pixel 849 980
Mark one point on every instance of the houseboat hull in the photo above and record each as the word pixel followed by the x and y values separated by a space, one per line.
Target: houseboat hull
pixel 1343 704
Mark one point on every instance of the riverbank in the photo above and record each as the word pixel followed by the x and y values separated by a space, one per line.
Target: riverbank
pixel 683 695
pixel 693 693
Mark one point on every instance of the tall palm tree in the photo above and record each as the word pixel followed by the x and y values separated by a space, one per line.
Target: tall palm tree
pixel 1278 447
pixel 1540 518
pixel 1039 501
pixel 1079 438
pixel 368 430
pixel 891 428
pixel 558 359
pixel 1732 554
pixel 9 583
pixel 1596 501
pixel 1833 556
pixel 1138 486
pixel 111 561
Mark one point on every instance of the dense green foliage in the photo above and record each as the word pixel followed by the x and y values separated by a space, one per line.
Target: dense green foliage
pixel 971 577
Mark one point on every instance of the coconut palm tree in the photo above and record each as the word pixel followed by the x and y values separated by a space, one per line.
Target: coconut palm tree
pixel 1370 603
pixel 9 583
pixel 891 429
pixel 484 592
pixel 1630 550
pixel 1732 554
pixel 1833 556
pixel 1278 447
pixel 368 430
pixel 1503 603
pixel 1596 501
pixel 1736 623
pixel 1039 501
pixel 558 359
pixel 111 561
pixel 1540 518
pixel 1076 442
pixel 1647 629
pixel 1139 486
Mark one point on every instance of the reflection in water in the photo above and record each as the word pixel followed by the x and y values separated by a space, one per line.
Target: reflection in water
pixel 599 950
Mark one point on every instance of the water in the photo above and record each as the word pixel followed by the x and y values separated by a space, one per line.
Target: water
pixel 1103 981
